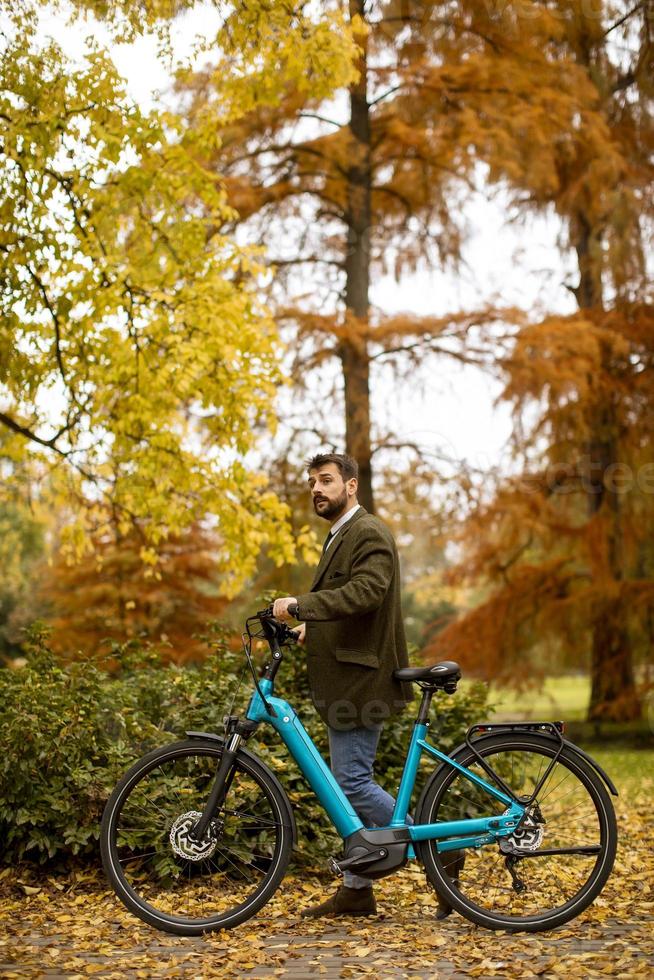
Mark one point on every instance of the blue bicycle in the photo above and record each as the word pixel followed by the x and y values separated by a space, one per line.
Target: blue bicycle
pixel 515 829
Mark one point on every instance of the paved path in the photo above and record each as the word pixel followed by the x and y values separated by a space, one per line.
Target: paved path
pixel 75 927
pixel 331 951
pixel 335 956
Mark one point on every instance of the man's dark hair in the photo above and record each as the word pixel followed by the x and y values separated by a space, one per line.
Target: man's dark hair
pixel 347 466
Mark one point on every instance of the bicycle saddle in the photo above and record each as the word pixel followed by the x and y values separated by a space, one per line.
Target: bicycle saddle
pixel 442 671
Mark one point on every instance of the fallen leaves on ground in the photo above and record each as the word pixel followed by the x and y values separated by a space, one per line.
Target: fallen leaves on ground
pixel 74 927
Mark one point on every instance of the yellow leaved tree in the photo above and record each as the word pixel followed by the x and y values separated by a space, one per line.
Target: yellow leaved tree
pixel 138 365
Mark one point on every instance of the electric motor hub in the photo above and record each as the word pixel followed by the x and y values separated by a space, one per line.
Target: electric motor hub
pixel 185 846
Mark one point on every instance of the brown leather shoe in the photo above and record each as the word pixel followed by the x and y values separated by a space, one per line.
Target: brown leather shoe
pixel 346 901
pixel 453 863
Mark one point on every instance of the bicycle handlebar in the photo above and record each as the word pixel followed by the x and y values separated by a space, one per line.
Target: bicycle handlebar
pixel 274 630
pixel 267 613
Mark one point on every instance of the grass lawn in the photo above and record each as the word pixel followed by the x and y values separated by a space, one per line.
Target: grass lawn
pixel 565 697
pixel 632 770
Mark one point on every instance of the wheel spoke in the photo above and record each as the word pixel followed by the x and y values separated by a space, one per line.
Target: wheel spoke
pixel 544 796
pixel 137 857
pixel 253 816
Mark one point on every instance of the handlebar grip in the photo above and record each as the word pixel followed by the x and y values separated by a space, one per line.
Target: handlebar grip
pixel 293 608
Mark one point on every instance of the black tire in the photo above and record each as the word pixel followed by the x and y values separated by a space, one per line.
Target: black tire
pixel 577 812
pixel 239 865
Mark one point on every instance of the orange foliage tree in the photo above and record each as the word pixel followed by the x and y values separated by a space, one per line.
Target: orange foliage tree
pixel 555 99
pixel 565 550
pixel 544 563
pixel 108 596
pixel 343 190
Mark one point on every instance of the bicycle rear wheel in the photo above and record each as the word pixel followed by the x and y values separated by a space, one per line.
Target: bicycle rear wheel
pixel 169 880
pixel 562 854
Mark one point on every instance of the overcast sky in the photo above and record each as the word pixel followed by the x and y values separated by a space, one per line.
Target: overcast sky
pixel 446 406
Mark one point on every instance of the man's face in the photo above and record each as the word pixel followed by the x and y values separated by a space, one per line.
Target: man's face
pixel 329 492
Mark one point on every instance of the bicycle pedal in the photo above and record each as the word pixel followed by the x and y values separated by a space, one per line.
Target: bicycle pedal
pixel 335 867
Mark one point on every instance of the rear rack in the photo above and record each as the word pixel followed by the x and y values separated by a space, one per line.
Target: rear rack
pixel 555 727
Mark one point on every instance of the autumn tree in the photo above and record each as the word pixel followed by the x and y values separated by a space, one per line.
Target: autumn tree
pixel 107 598
pixel 568 546
pixel 21 548
pixel 341 190
pixel 542 567
pixel 137 361
pixel 604 199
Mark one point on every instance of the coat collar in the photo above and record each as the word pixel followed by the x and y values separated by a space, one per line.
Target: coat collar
pixel 326 559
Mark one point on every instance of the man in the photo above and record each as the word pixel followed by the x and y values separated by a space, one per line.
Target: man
pixel 355 639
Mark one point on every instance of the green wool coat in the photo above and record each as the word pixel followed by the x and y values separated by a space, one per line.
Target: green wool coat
pixel 354 630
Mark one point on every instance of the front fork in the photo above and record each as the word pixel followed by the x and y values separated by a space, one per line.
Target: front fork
pixel 220 788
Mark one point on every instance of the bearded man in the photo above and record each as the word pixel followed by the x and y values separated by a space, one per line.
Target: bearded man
pixel 354 637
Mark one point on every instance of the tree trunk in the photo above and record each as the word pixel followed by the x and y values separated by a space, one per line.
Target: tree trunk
pixel 613 695
pixel 613 689
pixel 354 348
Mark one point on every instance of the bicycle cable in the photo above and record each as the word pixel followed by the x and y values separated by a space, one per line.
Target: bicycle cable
pixel 246 639
pixel 234 696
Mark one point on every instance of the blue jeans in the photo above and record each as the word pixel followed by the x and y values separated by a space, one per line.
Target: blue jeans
pixel 352 757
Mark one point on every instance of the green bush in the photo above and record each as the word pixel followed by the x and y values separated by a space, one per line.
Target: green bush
pixel 67 733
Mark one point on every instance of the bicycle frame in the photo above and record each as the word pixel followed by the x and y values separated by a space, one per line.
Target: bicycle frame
pixel 460 833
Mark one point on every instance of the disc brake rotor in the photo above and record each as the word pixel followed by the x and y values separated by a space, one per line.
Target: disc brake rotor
pixel 184 846
pixel 529 835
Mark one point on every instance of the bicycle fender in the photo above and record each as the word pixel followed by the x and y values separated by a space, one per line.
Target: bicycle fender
pixel 271 775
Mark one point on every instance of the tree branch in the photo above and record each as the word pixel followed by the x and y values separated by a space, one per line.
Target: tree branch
pixel 57 327
pixel 384 95
pixel 22 430
pixel 309 258
pixel 279 148
pixel 316 115
pixel 618 23
pixel 433 346
pixel 393 193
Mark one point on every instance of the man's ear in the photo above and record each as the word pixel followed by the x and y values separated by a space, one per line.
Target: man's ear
pixel 352 486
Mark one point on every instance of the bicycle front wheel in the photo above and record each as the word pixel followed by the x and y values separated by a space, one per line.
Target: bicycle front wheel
pixel 555 864
pixel 179 885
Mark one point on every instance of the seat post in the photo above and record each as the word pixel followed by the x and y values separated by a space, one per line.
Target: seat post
pixel 425 705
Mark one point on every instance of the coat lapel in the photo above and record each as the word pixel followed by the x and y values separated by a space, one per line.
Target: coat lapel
pixel 327 557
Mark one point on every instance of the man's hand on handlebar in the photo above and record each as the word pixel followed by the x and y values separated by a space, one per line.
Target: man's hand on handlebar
pixel 281 609
pixel 300 632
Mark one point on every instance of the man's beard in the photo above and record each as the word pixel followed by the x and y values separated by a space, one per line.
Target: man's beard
pixel 334 507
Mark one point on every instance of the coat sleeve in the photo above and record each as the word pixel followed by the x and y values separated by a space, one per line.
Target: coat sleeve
pixel 371 574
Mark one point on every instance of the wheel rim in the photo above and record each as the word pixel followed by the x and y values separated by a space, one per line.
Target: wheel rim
pixel 163 870
pixel 526 886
